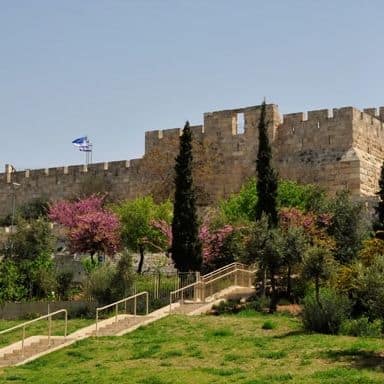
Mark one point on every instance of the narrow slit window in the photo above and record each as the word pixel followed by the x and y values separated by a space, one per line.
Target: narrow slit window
pixel 240 123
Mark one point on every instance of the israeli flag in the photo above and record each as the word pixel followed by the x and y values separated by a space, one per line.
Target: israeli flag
pixel 81 142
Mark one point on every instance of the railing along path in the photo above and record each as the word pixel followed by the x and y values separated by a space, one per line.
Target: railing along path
pixel 49 317
pixel 125 301
pixel 233 274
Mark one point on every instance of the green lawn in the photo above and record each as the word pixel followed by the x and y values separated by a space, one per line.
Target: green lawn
pixel 208 349
pixel 39 328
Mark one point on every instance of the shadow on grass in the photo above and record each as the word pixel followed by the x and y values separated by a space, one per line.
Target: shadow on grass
pixel 358 358
pixel 298 332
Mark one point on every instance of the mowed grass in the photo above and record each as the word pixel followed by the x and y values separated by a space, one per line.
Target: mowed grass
pixel 39 328
pixel 208 349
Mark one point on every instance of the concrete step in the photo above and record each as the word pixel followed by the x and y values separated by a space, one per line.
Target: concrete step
pixel 32 349
pixel 116 327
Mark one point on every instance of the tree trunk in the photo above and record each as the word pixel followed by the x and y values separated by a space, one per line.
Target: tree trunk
pixel 317 290
pixel 141 261
pixel 263 280
pixel 273 302
pixel 289 282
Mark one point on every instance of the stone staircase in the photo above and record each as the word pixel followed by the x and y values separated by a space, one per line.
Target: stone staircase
pixel 113 329
pixel 16 356
pixel 120 324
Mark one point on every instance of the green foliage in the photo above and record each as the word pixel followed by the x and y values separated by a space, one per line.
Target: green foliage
pixel 240 207
pixel 136 218
pixel 34 209
pixel 27 252
pixel 137 232
pixel 110 282
pixel 186 246
pixel 346 227
pixel 268 324
pixel 329 315
pixel 10 287
pixel 294 245
pixel 266 176
pixel 64 283
pixel 124 276
pixel 29 241
pixel 265 248
pixel 362 327
pixel 100 282
pixel 369 292
pixel 306 197
pixel 317 266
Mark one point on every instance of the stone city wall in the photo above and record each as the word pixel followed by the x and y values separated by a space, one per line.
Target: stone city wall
pixel 339 148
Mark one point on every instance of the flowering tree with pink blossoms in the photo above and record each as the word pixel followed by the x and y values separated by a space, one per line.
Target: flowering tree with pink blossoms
pixel 90 227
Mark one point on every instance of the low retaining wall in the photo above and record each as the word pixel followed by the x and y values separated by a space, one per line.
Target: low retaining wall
pixel 14 311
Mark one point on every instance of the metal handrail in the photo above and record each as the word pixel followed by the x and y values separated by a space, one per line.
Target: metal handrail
pixel 49 317
pixel 229 273
pixel 116 305
pixel 222 269
pixel 203 283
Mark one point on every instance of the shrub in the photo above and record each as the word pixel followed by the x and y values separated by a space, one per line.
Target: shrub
pixel 100 283
pixel 328 316
pixel 269 324
pixel 361 327
pixel 64 283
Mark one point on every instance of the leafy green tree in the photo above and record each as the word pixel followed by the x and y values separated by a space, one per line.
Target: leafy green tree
pixel 240 207
pixel 317 266
pixel 347 227
pixel 265 248
pixel 306 197
pixel 186 247
pixel 294 244
pixel 266 175
pixel 124 276
pixel 34 209
pixel 137 232
pixel 11 288
pixel 30 249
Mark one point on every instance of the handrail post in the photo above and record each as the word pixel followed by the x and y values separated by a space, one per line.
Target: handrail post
pixel 22 342
pixel 116 311
pixel 97 319
pixel 66 325
pixel 49 330
pixel 135 306
pixel 147 295
pixel 125 306
pixel 170 302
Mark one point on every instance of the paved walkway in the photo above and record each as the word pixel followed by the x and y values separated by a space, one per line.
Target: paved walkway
pixel 37 346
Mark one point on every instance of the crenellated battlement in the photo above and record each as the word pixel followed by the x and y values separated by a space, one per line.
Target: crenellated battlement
pixel 336 148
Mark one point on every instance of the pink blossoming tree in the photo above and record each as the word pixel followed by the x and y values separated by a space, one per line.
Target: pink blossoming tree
pixel 90 227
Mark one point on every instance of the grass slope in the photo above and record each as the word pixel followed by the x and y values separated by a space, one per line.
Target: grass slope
pixel 207 349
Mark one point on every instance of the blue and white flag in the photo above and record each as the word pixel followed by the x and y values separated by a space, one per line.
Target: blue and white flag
pixel 83 144
pixel 80 142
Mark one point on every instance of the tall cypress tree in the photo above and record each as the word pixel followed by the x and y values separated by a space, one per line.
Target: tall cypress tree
pixel 186 246
pixel 266 175
pixel 379 208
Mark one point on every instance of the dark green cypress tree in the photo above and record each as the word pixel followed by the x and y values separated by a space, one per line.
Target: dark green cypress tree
pixel 266 175
pixel 186 246
pixel 378 225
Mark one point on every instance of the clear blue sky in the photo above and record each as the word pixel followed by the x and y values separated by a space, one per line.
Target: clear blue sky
pixel 113 69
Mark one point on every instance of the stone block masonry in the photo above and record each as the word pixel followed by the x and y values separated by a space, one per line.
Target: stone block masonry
pixel 339 148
